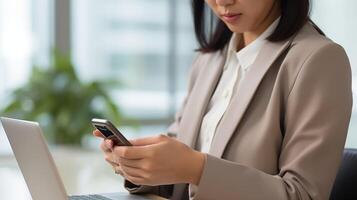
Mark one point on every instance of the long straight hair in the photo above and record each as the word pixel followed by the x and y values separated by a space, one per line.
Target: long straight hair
pixel 212 34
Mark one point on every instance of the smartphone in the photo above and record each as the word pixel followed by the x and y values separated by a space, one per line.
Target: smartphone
pixel 109 131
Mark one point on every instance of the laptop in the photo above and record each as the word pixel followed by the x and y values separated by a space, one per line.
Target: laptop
pixel 37 165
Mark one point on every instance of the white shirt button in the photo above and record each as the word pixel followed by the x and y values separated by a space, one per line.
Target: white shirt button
pixel 234 70
pixel 226 93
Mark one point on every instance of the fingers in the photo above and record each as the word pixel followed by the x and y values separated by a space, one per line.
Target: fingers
pixel 130 163
pixel 109 156
pixel 148 140
pixel 97 133
pixel 135 176
pixel 118 170
pixel 129 173
pixel 132 172
pixel 133 152
pixel 111 161
pixel 107 146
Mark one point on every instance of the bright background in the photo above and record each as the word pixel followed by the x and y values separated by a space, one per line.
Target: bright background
pixel 148 45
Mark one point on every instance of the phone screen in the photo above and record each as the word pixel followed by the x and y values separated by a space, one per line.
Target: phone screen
pixel 104 130
pixel 109 131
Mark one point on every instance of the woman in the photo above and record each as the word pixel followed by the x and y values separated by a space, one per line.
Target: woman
pixel 265 117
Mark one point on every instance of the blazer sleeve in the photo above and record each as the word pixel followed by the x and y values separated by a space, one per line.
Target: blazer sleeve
pixel 166 190
pixel 317 115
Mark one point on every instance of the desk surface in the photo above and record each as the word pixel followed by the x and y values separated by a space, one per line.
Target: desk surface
pixel 82 172
pixel 127 196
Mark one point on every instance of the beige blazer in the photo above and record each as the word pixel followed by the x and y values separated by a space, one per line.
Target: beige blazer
pixel 284 131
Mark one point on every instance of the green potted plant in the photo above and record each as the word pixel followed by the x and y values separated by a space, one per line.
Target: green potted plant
pixel 61 102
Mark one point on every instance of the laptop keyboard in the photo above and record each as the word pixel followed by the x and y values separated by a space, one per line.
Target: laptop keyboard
pixel 89 197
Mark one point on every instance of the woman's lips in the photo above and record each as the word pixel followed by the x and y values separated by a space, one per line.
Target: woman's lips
pixel 230 18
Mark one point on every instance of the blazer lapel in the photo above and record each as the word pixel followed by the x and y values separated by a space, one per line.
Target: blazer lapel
pixel 200 96
pixel 245 92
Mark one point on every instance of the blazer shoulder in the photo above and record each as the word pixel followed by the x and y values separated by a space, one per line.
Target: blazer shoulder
pixel 313 53
pixel 309 42
pixel 203 61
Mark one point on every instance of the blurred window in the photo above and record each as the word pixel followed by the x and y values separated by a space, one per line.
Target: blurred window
pixel 24 39
pixel 146 45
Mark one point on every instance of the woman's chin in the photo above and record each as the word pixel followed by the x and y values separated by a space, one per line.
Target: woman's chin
pixel 237 27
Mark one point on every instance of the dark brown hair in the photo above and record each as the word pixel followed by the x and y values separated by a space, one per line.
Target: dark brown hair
pixel 212 34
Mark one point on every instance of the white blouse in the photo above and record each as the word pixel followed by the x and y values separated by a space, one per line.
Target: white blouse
pixel 235 68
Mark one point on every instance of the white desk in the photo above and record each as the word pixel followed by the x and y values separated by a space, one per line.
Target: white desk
pixel 82 171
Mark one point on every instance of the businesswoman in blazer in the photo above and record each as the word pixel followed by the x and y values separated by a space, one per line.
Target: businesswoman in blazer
pixel 265 117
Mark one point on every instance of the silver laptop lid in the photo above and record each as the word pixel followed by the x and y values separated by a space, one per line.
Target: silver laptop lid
pixel 34 159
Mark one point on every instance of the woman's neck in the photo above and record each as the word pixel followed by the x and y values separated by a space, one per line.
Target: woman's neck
pixel 250 36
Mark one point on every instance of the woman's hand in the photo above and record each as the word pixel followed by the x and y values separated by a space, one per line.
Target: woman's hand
pixel 107 147
pixel 157 160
